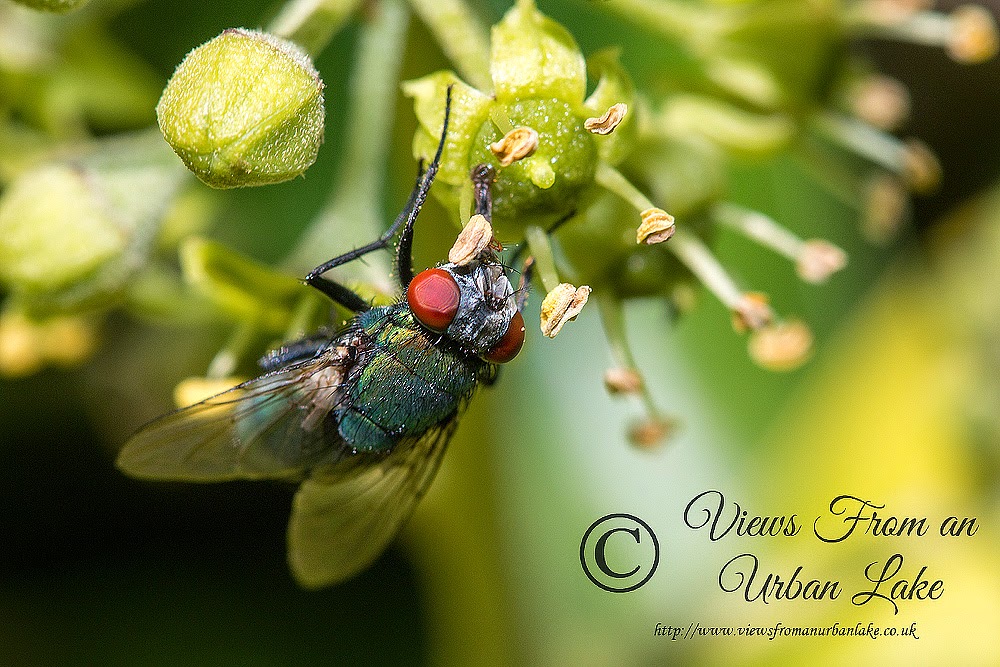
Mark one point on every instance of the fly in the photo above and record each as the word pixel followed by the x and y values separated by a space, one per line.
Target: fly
pixel 360 417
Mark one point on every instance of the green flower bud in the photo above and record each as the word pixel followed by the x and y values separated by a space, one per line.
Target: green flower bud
pixel 54 230
pixel 244 109
pixel 72 233
pixel 53 6
pixel 539 79
pixel 533 56
pixel 548 184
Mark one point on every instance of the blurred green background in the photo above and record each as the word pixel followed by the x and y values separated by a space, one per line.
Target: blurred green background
pixel 898 405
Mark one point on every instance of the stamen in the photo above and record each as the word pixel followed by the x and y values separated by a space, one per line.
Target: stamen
pixel 474 238
pixel 782 346
pixel 515 145
pixel 657 226
pixel 880 101
pixel 649 433
pixel 815 259
pixel 818 260
pixel 923 171
pixel 752 312
pixel 695 255
pixel 620 380
pixel 607 123
pixel 625 378
pixel 973 37
pixel 968 34
pixel 562 305
pixel 912 159
pixel 886 208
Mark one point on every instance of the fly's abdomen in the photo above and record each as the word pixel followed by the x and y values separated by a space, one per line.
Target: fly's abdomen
pixel 406 386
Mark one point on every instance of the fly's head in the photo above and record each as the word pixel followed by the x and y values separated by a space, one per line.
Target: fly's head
pixel 472 304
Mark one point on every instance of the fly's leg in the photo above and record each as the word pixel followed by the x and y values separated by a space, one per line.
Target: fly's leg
pixel 347 297
pixel 527 271
pixel 482 182
pixel 299 350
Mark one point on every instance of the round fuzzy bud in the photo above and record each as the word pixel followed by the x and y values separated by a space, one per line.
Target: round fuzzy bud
pixel 244 109
pixel 54 230
pixel 73 233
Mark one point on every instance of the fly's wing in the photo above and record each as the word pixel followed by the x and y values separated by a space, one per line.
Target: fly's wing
pixel 343 517
pixel 271 427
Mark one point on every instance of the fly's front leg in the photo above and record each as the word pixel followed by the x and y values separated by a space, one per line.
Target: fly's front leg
pixel 483 177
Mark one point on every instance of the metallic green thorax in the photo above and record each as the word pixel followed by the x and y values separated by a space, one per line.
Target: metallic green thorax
pixel 403 383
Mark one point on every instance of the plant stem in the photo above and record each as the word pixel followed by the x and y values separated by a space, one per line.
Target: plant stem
pixel 353 215
pixel 312 23
pixel 541 249
pixel 462 37
pixel 692 23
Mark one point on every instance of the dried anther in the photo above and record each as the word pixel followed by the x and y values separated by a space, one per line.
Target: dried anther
pixel 517 144
pixel 474 238
pixel 561 305
pixel 818 260
pixel 607 123
pixel 880 101
pixel 886 208
pixel 923 171
pixel 622 381
pixel 783 346
pixel 657 226
pixel 973 36
pixel 752 312
pixel 651 432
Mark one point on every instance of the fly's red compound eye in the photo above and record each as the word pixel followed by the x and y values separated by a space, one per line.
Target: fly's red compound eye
pixel 510 344
pixel 433 296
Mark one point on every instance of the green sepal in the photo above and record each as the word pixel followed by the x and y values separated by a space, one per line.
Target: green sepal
pixel 533 56
pixel 241 287
pixel 469 110
pixel 743 133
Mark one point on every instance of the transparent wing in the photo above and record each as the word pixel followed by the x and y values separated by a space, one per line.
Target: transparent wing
pixel 344 516
pixel 273 426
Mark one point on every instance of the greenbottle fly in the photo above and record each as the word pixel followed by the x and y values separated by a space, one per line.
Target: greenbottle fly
pixel 360 417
